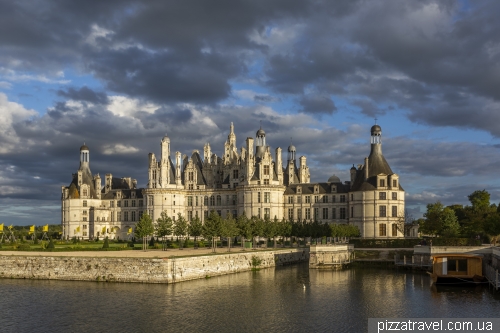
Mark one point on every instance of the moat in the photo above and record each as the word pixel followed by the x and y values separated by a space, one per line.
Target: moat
pixel 283 299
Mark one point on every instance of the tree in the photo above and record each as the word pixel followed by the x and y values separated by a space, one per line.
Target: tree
pixel 228 229
pixel 492 227
pixel 244 227
pixel 257 227
pixel 285 230
pixel 440 221
pixel 106 243
pixel 270 229
pixel 195 228
pixel 180 227
pixel 144 228
pixel 164 227
pixel 477 213
pixel 212 227
pixel 405 221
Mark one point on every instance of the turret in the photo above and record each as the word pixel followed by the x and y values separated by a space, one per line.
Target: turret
pixel 206 153
pixel 366 168
pixel 353 175
pixel 97 185
pixel 109 183
pixel 260 143
pixel 84 157
pixel 178 179
pixel 278 166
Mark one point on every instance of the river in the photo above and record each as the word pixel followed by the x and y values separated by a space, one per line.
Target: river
pixel 285 299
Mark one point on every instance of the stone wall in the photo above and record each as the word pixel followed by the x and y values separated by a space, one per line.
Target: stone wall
pixel 146 270
pixel 332 256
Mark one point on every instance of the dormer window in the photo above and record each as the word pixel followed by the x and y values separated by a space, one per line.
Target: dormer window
pixel 334 189
pixel 299 189
pixel 316 189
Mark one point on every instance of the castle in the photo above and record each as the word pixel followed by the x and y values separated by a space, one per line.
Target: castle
pixel 247 181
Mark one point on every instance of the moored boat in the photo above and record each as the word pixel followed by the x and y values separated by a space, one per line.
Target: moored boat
pixel 457 269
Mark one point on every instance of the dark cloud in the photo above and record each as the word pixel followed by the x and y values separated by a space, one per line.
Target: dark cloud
pixel 266 98
pixel 84 94
pixel 317 104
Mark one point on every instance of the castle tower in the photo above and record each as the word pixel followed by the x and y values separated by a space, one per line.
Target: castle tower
pixel 84 156
pixel 260 143
pixel 164 164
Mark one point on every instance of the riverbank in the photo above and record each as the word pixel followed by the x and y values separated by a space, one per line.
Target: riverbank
pixel 141 266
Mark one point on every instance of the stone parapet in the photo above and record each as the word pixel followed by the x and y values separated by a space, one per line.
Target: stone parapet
pixel 144 270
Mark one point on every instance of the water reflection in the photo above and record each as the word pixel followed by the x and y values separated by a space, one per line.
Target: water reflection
pixel 268 300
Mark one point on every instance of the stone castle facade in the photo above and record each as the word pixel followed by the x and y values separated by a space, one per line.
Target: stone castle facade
pixel 251 181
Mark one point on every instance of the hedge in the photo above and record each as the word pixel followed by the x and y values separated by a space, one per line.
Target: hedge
pixel 410 243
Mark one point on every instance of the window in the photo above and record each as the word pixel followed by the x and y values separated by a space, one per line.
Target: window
pixel 133 217
pixel 316 214
pixel 84 203
pixel 258 197
pixel 190 200
pixel 258 213
pixel 140 214
pixel 382 229
pixel 84 227
pixel 394 195
pixel 394 183
pixel 190 176
pixel 141 203
pixel 266 181
pixel 219 201
pixel 299 214
pixel 325 213
pixel 206 214
pixel 394 211
pixel 227 200
pixel 84 212
pixel 394 230
pixel 352 211
pixel 342 198
pixel 133 203
pixel 299 190
pixel 382 211
pixel 267 212
pixel 299 199
pixel 190 215
pixel 235 185
pixel 112 216
pixel 382 183
pixel 112 204
pixel 308 213
pixel 151 200
pixel 235 199
pixel 97 219
pixel 235 213
pixel 212 201
pixel 125 216
pixel 118 203
pixel 334 213
pixel 196 201
pixel 290 199
pixel 85 193
pixel 205 201
pixel 316 198
pixel 85 219
pixel 342 213
pixel 308 199
pixel 190 187
pixel 325 199
pixel 235 174
pixel 84 233
pixel 382 196
pixel 125 203
pixel 333 198
pixel 290 214
pixel 266 170
pixel 267 197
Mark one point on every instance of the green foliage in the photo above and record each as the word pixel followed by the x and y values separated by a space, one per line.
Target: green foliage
pixel 411 242
pixel 144 227
pixel 130 244
pixel 24 247
pixel 492 227
pixel 212 226
pixel 244 226
pixel 164 225
pixel 152 242
pixel 256 261
pixel 344 230
pixel 440 221
pixel 106 243
pixel 180 226
pixel 35 241
pixel 195 228
pixel 51 245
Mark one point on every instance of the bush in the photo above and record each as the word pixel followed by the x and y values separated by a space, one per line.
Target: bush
pixel 130 244
pixel 106 243
pixel 51 245
pixel 97 239
pixel 152 242
pixel 35 241
pixel 24 247
pixel 256 261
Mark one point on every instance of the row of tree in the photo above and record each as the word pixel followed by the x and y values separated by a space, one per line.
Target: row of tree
pixel 242 226
pixel 479 219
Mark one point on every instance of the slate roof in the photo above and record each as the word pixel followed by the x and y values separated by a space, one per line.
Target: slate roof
pixel 324 188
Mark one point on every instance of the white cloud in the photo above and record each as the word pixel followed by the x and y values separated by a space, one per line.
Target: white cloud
pixel 11 113
pixel 127 107
pixel 12 75
pixel 119 149
pixel 5 85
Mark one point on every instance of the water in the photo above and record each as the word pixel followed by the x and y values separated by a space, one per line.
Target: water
pixel 272 300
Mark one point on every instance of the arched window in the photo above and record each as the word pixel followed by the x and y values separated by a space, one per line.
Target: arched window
pixel 205 201
pixel 212 201
pixel 219 201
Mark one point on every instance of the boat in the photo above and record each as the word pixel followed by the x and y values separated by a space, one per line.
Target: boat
pixel 457 269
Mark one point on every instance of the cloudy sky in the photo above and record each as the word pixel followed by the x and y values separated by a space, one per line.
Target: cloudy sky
pixel 118 75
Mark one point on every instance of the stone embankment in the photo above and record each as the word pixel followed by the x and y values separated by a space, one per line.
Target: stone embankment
pixel 330 256
pixel 145 270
